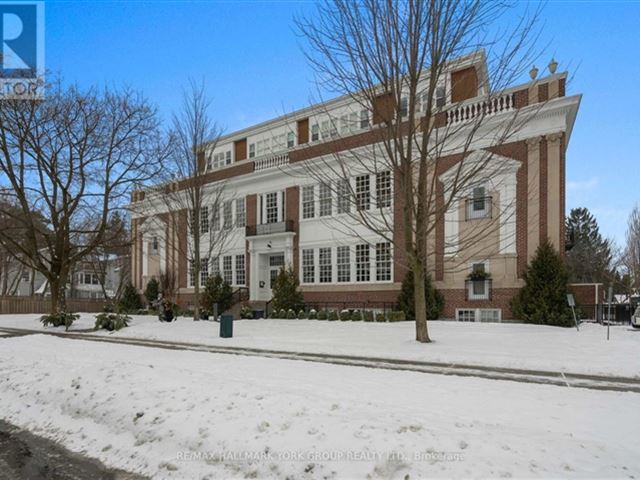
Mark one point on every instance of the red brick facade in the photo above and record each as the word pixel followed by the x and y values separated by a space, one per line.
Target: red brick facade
pixel 456 299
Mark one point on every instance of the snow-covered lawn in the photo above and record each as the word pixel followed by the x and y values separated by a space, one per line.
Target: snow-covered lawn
pixel 181 414
pixel 494 344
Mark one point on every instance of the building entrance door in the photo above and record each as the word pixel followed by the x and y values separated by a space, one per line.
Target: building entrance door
pixel 276 262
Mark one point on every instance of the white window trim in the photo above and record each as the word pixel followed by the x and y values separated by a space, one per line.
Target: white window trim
pixel 487 293
pixel 477 314
pixel 353 270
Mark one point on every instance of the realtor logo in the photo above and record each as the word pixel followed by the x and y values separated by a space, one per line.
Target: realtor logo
pixel 22 50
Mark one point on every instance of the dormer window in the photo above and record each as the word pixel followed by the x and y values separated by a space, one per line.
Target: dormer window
pixel 252 150
pixel 291 139
pixel 315 132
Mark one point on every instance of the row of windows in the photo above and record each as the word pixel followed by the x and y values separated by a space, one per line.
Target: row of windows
pixel 218 160
pixel 233 269
pixel 335 265
pixel 344 195
pixel 349 123
pixel 326 129
pixel 86 278
pixel 228 213
pixel 276 143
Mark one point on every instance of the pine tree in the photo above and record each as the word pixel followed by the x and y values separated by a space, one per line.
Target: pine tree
pixel 286 294
pixel 589 259
pixel 152 291
pixel 543 299
pixel 130 300
pixel 435 300
pixel 216 290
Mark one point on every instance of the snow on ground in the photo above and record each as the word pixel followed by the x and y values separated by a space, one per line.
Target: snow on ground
pixel 179 414
pixel 494 344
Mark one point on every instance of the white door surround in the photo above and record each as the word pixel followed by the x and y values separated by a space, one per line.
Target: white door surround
pixel 261 249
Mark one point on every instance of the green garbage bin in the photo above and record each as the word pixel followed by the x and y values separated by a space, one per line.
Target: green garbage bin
pixel 226 326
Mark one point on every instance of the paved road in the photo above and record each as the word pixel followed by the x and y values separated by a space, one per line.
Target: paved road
pixel 564 379
pixel 29 457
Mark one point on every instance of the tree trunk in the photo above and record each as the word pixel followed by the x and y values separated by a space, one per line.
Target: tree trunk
pixel 54 287
pixel 422 332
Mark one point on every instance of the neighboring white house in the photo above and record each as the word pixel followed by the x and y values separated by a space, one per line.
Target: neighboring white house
pixel 90 279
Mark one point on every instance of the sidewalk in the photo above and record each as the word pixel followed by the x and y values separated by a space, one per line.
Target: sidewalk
pixel 565 379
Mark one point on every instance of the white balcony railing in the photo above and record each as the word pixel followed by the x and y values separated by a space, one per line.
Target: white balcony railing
pixel 480 108
pixel 272 161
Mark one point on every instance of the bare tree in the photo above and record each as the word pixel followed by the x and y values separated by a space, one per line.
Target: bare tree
pixel 72 159
pixel 389 59
pixel 631 255
pixel 187 199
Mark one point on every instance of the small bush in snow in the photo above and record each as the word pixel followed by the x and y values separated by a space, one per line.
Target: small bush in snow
pixel 368 316
pixel 282 313
pixel 380 317
pixel 313 314
pixel 111 321
pixel 398 316
pixel 345 315
pixel 333 315
pixel 59 319
pixel 291 314
pixel 246 312
pixel 356 316
pixel 322 315
pixel 302 315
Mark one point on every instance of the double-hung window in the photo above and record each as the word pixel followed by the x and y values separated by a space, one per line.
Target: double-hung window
pixel 344 264
pixel 363 266
pixel 363 192
pixel 204 270
pixel 383 262
pixel 308 266
pixel 228 214
pixel 204 219
pixel 308 202
pixel 404 107
pixel 343 193
pixel 252 150
pixel 272 207
pixel 291 139
pixel 240 270
pixel 383 189
pixel 227 269
pixel 325 265
pixel 241 214
pixel 315 132
pixel 216 217
pixel 325 200
pixel 192 272
pixel 215 266
pixel 364 119
pixel 479 204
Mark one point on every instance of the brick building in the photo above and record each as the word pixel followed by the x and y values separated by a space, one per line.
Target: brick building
pixel 278 214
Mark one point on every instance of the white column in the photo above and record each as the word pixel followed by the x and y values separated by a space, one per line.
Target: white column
pixel 254 281
pixel 508 214
pixel 145 257
pixel 451 229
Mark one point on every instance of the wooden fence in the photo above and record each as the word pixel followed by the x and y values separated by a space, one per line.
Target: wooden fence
pixel 14 304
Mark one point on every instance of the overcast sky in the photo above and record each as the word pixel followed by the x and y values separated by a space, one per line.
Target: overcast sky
pixel 250 57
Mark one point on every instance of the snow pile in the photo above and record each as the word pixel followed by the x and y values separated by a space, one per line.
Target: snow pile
pixel 494 344
pixel 176 414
